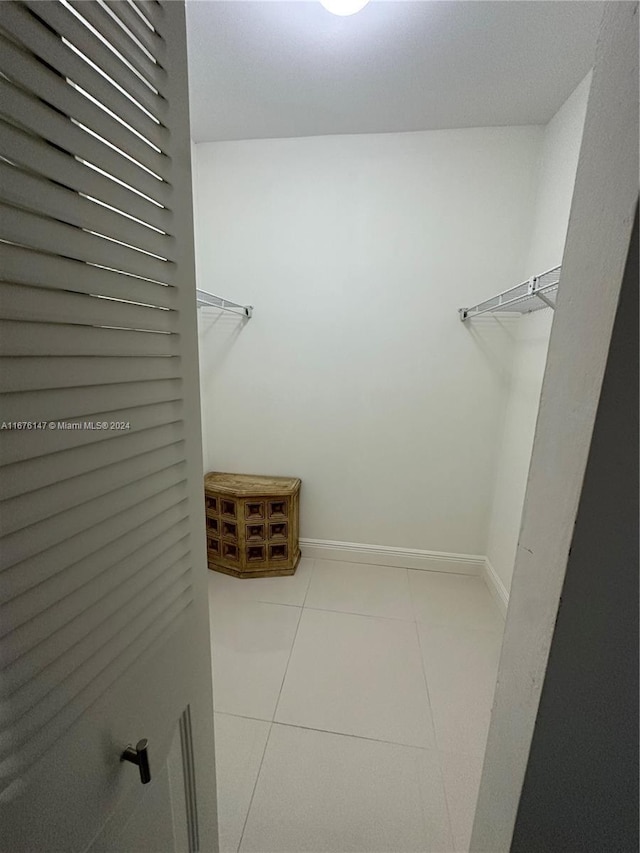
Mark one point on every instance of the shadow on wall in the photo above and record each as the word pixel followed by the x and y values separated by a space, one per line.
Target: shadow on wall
pixel 217 333
pixel 495 338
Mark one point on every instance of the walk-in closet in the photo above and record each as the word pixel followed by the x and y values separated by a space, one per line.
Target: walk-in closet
pixel 381 203
pixel 318 426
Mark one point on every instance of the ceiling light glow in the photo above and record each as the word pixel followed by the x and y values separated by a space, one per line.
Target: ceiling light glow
pixel 344 7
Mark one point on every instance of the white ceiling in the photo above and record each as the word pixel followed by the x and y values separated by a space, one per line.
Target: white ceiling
pixel 274 68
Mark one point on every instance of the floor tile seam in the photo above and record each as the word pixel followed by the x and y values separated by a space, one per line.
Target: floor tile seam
pixel 277 603
pixel 440 753
pixel 271 722
pixel 443 793
pixel 350 735
pixel 353 613
pixel 437 740
pixel 413 619
pixel 436 748
pixel 460 754
pixel 445 790
pixel 458 574
pixel 242 717
pixel 311 573
pixel 286 669
pixel 423 667
pixel 417 571
pixel 255 785
pixel 412 597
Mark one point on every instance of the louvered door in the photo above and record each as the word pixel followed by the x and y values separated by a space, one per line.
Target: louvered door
pixel 103 622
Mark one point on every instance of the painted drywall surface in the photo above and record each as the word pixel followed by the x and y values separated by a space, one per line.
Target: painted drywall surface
pixel 604 203
pixel 558 165
pixel 560 152
pixel 581 786
pixel 355 372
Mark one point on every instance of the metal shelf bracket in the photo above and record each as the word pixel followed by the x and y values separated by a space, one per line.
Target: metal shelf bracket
pixel 540 291
pixel 210 300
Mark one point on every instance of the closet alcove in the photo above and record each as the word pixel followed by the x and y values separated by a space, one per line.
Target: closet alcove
pixel 367 183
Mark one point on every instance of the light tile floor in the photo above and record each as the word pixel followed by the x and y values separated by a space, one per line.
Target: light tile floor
pixel 352 705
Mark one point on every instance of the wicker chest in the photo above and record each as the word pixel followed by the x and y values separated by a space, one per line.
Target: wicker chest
pixel 252 524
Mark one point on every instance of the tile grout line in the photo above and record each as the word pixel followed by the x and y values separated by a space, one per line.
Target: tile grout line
pixel 337 734
pixel 255 785
pixel 437 750
pixel 447 805
pixel 426 685
pixel 428 623
pixel 286 669
pixel 414 617
pixel 329 610
pixel 357 737
pixel 439 761
pixel 416 621
pixel 353 613
pixel 271 722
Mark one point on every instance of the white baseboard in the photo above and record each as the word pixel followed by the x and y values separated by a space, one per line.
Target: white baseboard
pixel 497 589
pixel 410 558
pixel 383 555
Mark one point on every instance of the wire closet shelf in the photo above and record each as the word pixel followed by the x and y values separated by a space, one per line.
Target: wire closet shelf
pixel 538 292
pixel 209 300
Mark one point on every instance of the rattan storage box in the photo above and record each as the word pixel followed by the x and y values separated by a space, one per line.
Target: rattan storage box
pixel 252 524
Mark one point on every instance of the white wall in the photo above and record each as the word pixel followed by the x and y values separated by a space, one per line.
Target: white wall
pixel 558 165
pixel 355 372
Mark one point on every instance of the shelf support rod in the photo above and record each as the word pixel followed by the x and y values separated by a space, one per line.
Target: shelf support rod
pixel 545 299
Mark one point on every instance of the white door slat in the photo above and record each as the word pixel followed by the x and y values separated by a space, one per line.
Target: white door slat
pixel 66 24
pixel 34 734
pixel 14 448
pixel 40 304
pixel 72 403
pixel 28 30
pixel 25 726
pixel 49 339
pixel 27 71
pixel 46 235
pixel 21 719
pixel 39 373
pixel 131 20
pixel 47 198
pixel 142 545
pixel 44 534
pixel 69 635
pixel 23 477
pixel 153 72
pixel 63 567
pixel 154 13
pixel 25 266
pixel 20 512
pixel 38 155
pixel 69 622
pixel 103 557
pixel 41 119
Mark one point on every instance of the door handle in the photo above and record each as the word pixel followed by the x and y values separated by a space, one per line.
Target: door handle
pixel 139 755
